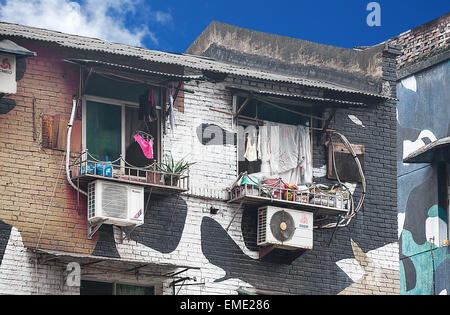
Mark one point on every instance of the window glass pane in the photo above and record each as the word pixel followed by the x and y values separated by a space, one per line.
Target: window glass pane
pixel 124 289
pixel 133 152
pixel 103 130
pixel 268 112
pixel 119 89
pixel 95 288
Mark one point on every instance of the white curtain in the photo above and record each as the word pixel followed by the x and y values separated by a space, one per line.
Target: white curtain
pixel 286 153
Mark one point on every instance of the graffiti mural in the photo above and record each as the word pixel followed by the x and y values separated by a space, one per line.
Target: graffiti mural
pixel 423 117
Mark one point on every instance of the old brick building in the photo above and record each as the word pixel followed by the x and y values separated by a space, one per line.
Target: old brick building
pixel 197 236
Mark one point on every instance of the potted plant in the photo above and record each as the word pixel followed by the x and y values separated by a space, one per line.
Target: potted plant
pixel 153 174
pixel 172 170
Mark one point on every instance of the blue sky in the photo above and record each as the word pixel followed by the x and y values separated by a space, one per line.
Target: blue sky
pixel 172 25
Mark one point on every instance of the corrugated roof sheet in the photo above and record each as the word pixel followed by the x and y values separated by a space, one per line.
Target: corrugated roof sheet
pixel 185 60
pixel 305 97
pixel 92 63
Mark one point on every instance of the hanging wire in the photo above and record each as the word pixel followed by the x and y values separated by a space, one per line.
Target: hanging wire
pixel 345 220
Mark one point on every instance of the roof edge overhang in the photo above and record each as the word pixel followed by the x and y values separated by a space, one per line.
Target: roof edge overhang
pixel 10 47
pixel 177 59
pixel 435 152
pixel 114 264
pixel 90 63
pixel 305 100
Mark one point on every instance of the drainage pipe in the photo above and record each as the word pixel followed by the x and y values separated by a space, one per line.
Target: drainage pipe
pixel 69 133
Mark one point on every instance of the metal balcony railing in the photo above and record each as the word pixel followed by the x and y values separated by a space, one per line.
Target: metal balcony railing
pixel 86 168
pixel 275 191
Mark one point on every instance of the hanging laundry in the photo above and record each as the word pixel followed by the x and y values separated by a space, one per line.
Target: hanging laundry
pixel 147 147
pixel 251 151
pixel 258 146
pixel 143 105
pixel 290 153
pixel 172 118
pixel 264 149
pixel 147 109
pixel 152 115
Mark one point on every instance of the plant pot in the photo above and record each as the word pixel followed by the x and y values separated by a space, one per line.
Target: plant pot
pixel 154 178
pixel 171 180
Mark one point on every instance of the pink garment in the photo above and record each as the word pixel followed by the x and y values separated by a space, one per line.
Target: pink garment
pixel 147 147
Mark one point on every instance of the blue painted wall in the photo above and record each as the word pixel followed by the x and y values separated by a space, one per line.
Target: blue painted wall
pixel 423 116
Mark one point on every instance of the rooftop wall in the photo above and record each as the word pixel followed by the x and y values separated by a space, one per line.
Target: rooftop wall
pixel 357 68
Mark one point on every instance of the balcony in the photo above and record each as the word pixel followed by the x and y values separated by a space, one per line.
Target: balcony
pixel 86 168
pixel 316 198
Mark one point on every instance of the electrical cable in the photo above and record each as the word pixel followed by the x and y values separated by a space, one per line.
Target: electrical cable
pixel 345 220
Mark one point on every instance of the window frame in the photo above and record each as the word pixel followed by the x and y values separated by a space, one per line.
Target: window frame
pixel 248 122
pixel 123 105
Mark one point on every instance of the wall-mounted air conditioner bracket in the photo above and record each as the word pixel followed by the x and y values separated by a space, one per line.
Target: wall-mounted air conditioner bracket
pixel 125 232
pixel 235 214
pixel 93 228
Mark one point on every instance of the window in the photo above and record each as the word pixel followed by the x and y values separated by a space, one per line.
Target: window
pixel 104 288
pixel 113 114
pixel 341 160
pixel 109 127
pixel 274 140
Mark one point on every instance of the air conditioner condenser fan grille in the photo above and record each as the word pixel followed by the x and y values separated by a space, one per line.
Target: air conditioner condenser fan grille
pixel 115 201
pixel 282 226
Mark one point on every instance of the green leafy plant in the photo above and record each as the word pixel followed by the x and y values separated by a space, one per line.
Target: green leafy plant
pixel 173 170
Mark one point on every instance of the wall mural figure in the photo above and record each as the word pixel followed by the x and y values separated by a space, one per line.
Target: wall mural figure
pixel 423 117
pixel 165 219
pixel 5 232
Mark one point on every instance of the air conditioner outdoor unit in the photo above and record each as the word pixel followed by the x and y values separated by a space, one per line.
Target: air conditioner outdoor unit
pixel 115 204
pixel 285 228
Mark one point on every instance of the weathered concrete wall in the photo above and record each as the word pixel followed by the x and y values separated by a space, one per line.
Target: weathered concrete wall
pixel 358 68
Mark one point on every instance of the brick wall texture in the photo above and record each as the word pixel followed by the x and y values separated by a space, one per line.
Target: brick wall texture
pixel 38 208
pixel 424 41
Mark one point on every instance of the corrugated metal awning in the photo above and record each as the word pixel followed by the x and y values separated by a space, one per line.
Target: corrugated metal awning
pixel 7 46
pixel 435 152
pixel 114 66
pixel 323 100
pixel 102 264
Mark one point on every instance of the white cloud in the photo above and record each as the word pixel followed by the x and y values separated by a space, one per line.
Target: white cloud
pixel 163 17
pixel 106 19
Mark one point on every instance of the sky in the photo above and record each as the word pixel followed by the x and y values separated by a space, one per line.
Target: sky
pixel 172 25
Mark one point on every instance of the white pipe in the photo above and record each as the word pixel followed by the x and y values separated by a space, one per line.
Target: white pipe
pixel 69 133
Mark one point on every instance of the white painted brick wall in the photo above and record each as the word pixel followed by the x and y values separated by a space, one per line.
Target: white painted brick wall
pixel 20 275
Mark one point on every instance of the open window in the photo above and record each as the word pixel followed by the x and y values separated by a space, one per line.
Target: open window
pixel 110 128
pixel 269 135
pixel 122 123
pixel 275 156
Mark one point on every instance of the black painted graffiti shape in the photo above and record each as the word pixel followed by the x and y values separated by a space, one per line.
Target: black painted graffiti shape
pixel 5 232
pixel 220 250
pixel 162 230
pixel 165 219
pixel 419 203
pixel 210 134
pixel 106 245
